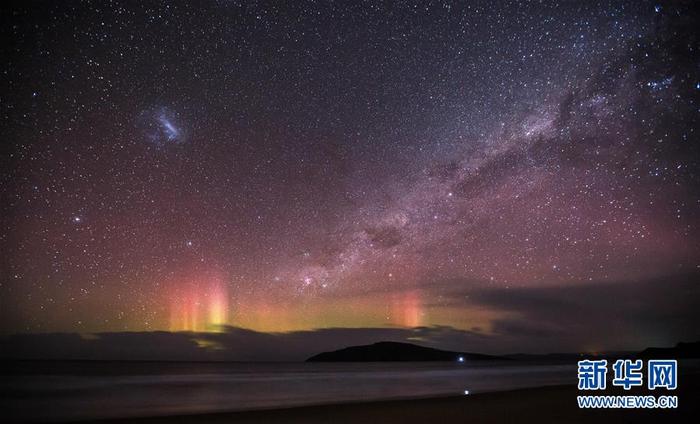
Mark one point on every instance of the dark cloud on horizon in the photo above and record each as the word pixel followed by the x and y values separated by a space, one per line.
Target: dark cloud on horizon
pixel 232 344
pixel 594 316
pixel 589 317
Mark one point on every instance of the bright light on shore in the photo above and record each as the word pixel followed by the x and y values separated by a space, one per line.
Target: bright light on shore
pixel 466 392
pixel 460 359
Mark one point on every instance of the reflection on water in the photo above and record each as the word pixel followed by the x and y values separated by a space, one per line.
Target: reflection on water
pixel 55 391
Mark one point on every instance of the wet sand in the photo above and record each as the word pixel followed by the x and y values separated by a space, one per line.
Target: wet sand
pixel 555 404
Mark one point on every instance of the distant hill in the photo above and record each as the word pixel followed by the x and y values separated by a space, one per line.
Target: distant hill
pixel 681 350
pixel 395 351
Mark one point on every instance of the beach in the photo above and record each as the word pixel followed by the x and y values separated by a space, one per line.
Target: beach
pixel 152 393
pixel 556 404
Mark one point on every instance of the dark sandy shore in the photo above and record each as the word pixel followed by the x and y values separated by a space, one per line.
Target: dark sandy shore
pixel 548 404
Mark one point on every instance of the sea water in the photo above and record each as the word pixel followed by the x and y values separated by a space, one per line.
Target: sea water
pixel 76 390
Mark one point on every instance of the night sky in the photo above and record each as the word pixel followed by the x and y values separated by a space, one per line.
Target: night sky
pixel 498 171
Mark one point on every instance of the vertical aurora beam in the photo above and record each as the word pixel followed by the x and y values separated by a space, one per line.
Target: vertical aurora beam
pixel 199 304
pixel 217 305
pixel 406 309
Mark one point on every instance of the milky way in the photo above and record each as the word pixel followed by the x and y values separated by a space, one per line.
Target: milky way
pixel 172 167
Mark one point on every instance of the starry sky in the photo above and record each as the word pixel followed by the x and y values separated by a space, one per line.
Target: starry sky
pixel 490 172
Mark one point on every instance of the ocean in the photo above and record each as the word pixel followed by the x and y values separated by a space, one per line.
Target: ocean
pixel 80 390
